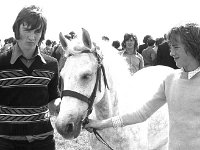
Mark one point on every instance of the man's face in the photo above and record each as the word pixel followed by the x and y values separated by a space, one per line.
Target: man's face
pixel 130 43
pixel 182 58
pixel 28 38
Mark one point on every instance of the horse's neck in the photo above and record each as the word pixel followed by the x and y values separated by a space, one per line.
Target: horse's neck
pixel 107 106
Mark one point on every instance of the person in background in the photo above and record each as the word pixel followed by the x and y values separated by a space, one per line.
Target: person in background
pixel 48 49
pixel 116 44
pixel 71 35
pixel 58 53
pixel 163 55
pixel 180 90
pixel 158 41
pixel 149 55
pixel 28 87
pixel 8 43
pixel 105 38
pixel 0 44
pixel 144 45
pixel 133 58
pixel 54 43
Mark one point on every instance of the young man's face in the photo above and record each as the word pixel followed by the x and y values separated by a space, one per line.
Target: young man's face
pixel 182 58
pixel 130 43
pixel 28 38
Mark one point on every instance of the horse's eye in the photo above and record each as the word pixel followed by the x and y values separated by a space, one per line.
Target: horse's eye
pixel 86 76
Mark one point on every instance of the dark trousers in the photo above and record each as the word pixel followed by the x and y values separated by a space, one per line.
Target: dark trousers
pixel 46 144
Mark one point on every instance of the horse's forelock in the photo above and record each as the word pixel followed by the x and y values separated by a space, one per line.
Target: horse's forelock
pixel 77 49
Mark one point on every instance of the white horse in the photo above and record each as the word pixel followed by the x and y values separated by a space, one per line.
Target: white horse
pixel 89 67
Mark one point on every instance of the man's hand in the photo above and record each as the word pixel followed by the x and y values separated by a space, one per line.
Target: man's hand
pixel 54 106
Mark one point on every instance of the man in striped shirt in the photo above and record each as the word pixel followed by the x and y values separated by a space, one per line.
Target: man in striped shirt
pixel 28 87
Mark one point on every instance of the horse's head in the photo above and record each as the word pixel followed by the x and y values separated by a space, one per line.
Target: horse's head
pixel 82 84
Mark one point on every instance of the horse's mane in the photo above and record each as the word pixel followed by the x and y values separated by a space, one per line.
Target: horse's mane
pixel 119 77
pixel 115 64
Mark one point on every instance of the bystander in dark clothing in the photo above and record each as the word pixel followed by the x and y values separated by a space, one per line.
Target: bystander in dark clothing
pixel 163 56
pixel 116 44
pixel 144 45
pixel 149 55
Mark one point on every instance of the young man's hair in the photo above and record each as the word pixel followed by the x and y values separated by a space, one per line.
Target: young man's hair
pixel 116 44
pixel 145 39
pixel 128 36
pixel 34 18
pixel 150 42
pixel 48 42
pixel 190 37
pixel 158 41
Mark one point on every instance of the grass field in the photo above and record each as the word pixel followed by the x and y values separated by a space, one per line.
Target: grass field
pixel 80 143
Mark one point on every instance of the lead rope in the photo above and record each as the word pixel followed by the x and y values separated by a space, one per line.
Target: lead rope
pixel 98 81
pixel 86 120
pixel 97 135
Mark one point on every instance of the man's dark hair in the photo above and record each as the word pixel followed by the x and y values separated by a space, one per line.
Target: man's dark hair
pixel 71 35
pixel 116 44
pixel 34 18
pixel 128 36
pixel 146 38
pixel 48 42
pixel 150 42
pixel 105 38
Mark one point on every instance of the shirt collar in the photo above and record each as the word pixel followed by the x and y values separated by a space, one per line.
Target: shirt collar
pixel 16 53
pixel 124 53
pixel 192 73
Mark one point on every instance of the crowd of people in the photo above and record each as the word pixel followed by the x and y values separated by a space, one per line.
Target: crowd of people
pixel 29 83
pixel 9 42
pixel 152 52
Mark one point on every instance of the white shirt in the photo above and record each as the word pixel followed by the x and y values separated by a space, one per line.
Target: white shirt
pixel 192 73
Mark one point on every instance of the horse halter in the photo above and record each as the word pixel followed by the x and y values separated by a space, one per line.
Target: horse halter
pixel 84 98
pixel 91 99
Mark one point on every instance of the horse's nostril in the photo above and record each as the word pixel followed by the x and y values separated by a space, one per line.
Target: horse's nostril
pixel 69 127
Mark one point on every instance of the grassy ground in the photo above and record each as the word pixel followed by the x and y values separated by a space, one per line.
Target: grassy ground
pixel 80 143
pixel 157 123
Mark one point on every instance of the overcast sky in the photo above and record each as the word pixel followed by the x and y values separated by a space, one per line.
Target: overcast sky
pixel 112 18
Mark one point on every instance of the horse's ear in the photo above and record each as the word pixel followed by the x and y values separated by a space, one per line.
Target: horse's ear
pixel 86 38
pixel 63 41
pixel 64 44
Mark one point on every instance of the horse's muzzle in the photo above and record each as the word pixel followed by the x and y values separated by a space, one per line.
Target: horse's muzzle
pixel 68 131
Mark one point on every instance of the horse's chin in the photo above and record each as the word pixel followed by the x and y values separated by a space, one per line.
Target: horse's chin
pixel 77 130
pixel 69 131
